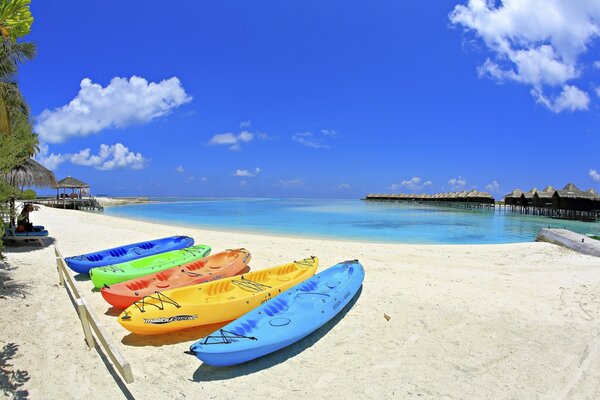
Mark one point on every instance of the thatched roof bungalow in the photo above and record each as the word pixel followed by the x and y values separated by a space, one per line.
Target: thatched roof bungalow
pixel 513 198
pixel 543 198
pixel 571 198
pixel 527 198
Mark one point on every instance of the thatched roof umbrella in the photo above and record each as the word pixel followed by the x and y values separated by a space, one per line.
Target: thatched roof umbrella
pixel 30 173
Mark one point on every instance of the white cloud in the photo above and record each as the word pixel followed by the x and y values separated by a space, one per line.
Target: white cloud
pixel 291 183
pixel 245 124
pixel 493 187
pixel 414 183
pixel 343 186
pixel 120 104
pixel 51 161
pixel 234 141
pixel 314 140
pixel 457 184
pixel 111 157
pixel 594 175
pixel 534 42
pixel 596 64
pixel 571 99
pixel 180 169
pixel 246 173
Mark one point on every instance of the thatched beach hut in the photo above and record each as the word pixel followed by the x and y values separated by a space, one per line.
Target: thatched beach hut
pixel 527 198
pixel 513 198
pixel 543 198
pixel 571 198
pixel 70 183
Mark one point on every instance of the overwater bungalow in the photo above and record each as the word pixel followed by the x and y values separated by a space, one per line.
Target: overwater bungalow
pixel 569 202
pixel 543 198
pixel 513 198
pixel 527 198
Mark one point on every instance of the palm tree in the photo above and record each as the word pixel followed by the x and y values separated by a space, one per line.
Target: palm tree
pixel 15 18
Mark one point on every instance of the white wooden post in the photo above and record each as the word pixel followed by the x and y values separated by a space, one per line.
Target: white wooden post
pixel 83 316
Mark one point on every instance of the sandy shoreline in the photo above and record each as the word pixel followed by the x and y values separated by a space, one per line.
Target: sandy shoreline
pixel 481 321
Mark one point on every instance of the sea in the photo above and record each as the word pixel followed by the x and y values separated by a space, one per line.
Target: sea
pixel 348 219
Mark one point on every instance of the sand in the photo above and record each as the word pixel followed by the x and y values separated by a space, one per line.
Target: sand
pixel 516 321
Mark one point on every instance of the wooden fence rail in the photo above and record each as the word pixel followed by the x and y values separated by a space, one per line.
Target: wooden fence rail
pixel 90 321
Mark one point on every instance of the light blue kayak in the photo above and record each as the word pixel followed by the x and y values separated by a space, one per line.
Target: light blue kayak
pixel 83 263
pixel 283 320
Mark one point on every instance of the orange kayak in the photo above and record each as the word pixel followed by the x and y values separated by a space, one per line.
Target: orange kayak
pixel 221 265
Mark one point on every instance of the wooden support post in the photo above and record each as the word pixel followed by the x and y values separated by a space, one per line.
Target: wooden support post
pixel 118 360
pixel 83 316
pixel 61 278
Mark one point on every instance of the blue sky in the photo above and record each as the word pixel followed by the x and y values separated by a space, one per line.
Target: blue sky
pixel 316 99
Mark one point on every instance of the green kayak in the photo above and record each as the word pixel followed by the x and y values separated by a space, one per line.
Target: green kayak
pixel 116 273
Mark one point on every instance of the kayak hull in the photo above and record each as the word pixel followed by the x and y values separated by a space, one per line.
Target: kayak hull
pixel 112 274
pixel 213 302
pixel 84 262
pixel 283 320
pixel 217 266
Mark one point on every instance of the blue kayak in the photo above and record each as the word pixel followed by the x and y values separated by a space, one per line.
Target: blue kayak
pixel 283 320
pixel 83 263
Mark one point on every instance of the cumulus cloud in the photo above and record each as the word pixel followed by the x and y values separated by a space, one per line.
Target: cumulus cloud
pixel 290 183
pixel 534 42
pixel 315 140
pixel 594 175
pixel 235 141
pixel 570 99
pixel 232 140
pixel 457 184
pixel 111 157
pixel 180 169
pixel 415 183
pixel 122 103
pixel 246 173
pixel 51 161
pixel 493 187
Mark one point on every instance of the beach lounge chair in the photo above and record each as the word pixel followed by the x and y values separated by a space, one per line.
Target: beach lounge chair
pixel 10 234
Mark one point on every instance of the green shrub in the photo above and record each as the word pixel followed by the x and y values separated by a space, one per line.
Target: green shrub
pixel 28 195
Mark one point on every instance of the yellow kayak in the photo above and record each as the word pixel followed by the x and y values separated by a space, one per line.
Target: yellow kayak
pixel 212 302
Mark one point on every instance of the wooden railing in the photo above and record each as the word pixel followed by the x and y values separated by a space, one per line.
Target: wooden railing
pixel 90 321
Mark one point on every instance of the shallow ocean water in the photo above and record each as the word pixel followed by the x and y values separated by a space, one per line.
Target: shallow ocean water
pixel 349 219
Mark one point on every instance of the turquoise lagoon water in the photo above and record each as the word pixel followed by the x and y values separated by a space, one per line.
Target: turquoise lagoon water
pixel 348 219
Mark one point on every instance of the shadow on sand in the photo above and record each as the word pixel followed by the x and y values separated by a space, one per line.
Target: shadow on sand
pixel 206 373
pixel 8 287
pixel 186 335
pixel 11 380
pixel 11 246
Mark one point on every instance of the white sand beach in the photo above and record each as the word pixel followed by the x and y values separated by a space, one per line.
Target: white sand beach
pixel 516 321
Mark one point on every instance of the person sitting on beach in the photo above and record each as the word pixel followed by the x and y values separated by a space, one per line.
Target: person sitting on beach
pixel 23 223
